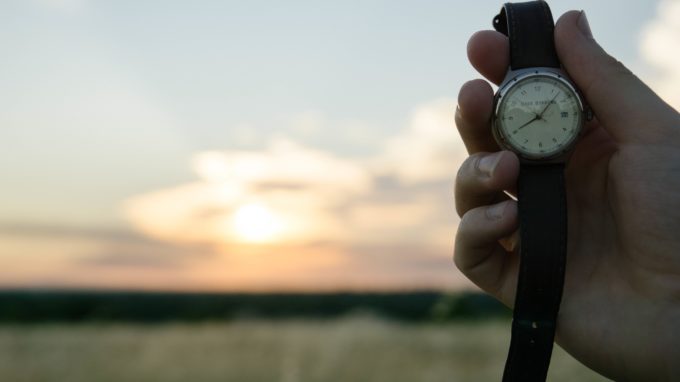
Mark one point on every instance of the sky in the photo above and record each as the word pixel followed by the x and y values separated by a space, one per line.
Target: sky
pixel 251 146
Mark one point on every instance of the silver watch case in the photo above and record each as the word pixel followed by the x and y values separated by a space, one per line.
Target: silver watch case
pixel 515 76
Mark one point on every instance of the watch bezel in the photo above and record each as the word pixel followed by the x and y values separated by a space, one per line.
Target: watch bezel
pixel 512 78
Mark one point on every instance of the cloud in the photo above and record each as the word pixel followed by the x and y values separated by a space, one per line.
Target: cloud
pixel 660 48
pixel 335 222
pixel 136 256
pixel 316 195
pixel 299 186
pixel 69 232
pixel 428 150
pixel 283 162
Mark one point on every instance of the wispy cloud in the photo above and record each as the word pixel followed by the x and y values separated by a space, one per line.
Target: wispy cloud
pixel 660 48
pixel 428 150
pixel 102 246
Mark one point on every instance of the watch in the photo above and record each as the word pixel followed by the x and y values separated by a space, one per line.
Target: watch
pixel 538 114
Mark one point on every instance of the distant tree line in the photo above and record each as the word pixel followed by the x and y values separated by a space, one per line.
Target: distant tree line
pixel 146 307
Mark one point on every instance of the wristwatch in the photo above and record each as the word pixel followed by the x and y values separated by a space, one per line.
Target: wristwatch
pixel 538 114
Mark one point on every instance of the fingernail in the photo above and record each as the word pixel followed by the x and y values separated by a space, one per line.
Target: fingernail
pixel 496 211
pixel 488 163
pixel 583 26
pixel 510 243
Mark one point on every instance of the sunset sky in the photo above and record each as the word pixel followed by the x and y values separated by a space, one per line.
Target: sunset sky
pixel 260 145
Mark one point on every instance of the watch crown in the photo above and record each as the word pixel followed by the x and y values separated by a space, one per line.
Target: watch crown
pixel 589 113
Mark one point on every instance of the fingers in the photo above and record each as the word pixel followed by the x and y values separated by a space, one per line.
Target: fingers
pixel 473 116
pixel 625 106
pixel 483 177
pixel 486 221
pixel 489 53
pixel 479 255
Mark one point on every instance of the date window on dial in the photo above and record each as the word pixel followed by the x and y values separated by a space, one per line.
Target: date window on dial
pixel 564 114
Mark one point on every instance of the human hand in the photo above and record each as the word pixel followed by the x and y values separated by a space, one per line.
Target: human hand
pixel 620 310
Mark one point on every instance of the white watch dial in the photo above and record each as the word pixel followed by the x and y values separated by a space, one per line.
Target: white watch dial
pixel 539 116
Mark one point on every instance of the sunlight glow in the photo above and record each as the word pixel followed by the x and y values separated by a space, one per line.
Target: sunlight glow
pixel 256 223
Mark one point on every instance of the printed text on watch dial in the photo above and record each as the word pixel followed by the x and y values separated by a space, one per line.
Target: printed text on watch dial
pixel 539 116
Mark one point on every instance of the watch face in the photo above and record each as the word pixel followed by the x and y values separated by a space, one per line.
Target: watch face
pixel 538 116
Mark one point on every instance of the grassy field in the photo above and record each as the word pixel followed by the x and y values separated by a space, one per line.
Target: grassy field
pixel 350 349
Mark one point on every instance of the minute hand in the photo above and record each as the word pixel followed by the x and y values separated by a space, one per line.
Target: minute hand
pixel 540 115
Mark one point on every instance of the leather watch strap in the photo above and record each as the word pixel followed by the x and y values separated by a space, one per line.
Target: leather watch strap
pixel 529 27
pixel 543 232
pixel 542 211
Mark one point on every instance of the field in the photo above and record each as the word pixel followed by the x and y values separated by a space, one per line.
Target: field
pixel 358 348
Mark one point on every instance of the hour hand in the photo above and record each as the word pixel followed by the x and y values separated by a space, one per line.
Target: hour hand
pixel 536 118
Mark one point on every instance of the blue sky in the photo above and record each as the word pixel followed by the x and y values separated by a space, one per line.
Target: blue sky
pixel 108 104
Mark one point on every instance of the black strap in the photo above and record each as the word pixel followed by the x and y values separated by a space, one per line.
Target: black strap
pixel 543 246
pixel 529 27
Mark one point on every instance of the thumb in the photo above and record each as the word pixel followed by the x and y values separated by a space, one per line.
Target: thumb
pixel 623 104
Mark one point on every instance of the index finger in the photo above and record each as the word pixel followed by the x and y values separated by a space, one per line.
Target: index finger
pixel 489 53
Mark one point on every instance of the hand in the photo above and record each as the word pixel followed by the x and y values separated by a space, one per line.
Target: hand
pixel 620 312
pixel 536 118
pixel 540 116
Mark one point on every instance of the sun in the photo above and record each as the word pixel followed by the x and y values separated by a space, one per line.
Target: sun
pixel 256 223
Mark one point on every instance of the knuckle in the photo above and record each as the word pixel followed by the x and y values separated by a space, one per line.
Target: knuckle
pixel 469 168
pixel 464 184
pixel 470 178
pixel 466 238
pixel 472 186
pixel 457 260
pixel 466 223
pixel 459 250
pixel 458 118
pixel 617 67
